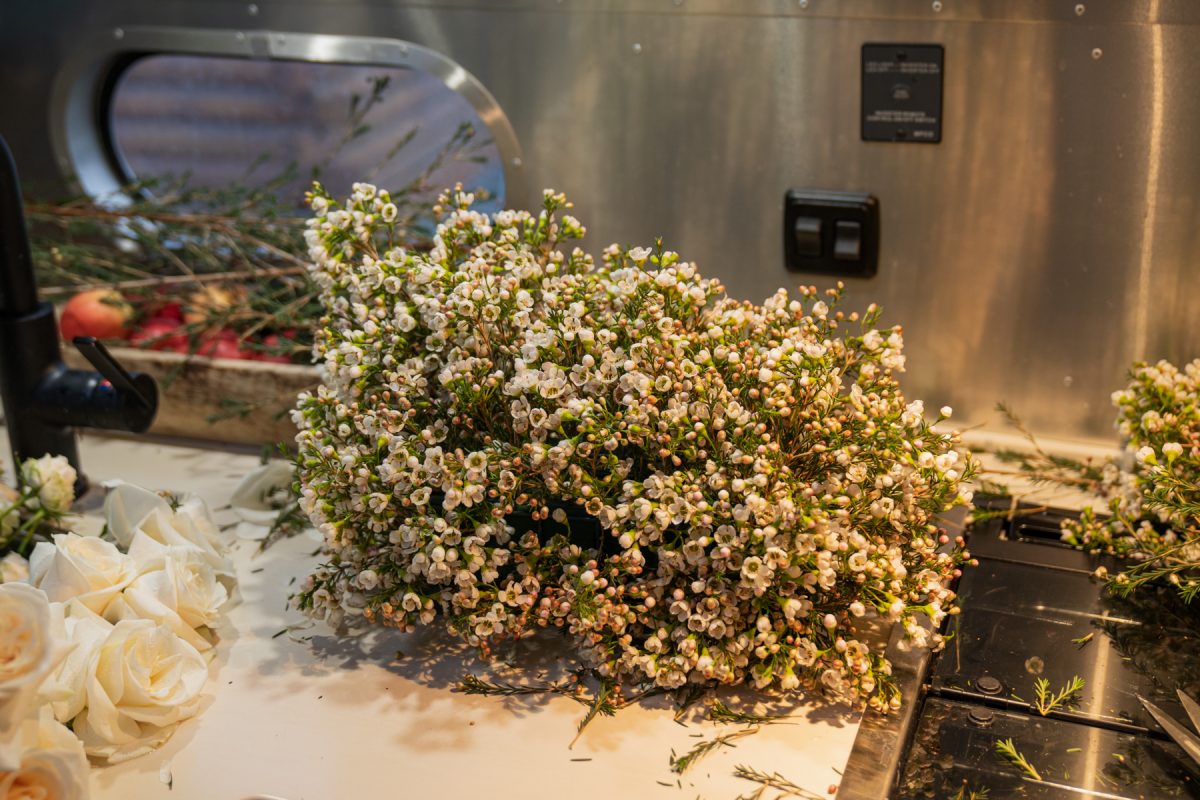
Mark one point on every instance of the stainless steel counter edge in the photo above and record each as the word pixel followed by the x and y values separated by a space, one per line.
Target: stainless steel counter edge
pixel 871 770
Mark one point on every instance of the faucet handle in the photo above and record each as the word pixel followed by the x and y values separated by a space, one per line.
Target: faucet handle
pixel 96 353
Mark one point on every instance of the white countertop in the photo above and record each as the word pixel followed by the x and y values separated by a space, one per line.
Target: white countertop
pixel 334 719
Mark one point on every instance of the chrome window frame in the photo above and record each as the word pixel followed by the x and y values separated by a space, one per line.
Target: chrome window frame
pixel 79 134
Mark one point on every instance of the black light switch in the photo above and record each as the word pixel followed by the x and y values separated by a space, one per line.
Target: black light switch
pixel 807 232
pixel 831 233
pixel 847 241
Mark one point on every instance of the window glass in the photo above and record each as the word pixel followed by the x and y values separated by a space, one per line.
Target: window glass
pixel 228 121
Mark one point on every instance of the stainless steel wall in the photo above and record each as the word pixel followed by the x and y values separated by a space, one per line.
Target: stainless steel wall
pixel 1049 240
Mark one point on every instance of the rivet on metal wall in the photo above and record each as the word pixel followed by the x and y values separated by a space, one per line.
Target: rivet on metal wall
pixel 252 9
pixel 804 3
pixel 937 6
pixel 118 33
pixel 1097 52
pixel 1079 9
pixel 637 47
pixel 516 162
pixel 404 50
pixel 240 36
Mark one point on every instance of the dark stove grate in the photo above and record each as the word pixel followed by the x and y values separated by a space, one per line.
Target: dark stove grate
pixel 1033 609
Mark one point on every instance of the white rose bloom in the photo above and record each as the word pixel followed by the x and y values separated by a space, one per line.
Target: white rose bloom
pixel 13 567
pixel 84 568
pixel 29 650
pixel 84 631
pixel 176 587
pixel 130 509
pixel 54 479
pixel 142 681
pixel 44 762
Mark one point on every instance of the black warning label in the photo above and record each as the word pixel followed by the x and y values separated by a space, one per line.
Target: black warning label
pixel 902 92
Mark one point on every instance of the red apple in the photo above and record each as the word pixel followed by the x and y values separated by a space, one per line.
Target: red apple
pixel 224 344
pixel 172 311
pixel 159 333
pixel 102 313
pixel 271 354
pixel 228 348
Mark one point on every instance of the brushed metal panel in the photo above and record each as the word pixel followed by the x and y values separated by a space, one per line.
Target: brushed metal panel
pixel 1047 242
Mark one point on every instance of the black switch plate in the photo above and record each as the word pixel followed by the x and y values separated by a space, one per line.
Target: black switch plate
pixel 835 215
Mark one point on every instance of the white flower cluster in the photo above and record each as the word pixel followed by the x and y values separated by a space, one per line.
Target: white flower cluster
pixel 1153 512
pixel 46 489
pixel 760 482
pixel 110 640
pixel 53 478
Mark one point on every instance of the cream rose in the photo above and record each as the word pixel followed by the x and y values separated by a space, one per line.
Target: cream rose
pixel 84 631
pixel 13 568
pixel 85 568
pixel 131 509
pixel 54 479
pixel 29 650
pixel 176 588
pixel 142 681
pixel 44 762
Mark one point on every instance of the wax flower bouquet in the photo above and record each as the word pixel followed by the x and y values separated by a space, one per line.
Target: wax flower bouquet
pixel 1153 509
pixel 762 486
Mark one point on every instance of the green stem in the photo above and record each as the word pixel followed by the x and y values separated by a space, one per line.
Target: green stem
pixel 30 527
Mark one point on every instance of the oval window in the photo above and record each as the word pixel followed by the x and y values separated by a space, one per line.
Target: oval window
pixel 224 122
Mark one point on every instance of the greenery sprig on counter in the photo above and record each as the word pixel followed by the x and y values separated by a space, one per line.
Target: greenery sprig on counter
pixel 760 481
pixel 1009 752
pixel 772 782
pixel 1045 701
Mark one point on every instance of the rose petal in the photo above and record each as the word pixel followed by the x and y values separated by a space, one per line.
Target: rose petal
pixel 126 506
pixel 251 498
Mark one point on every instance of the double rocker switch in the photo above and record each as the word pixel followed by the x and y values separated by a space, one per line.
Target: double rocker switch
pixel 847 238
pixel 831 233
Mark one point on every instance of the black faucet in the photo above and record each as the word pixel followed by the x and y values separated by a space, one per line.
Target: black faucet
pixel 44 400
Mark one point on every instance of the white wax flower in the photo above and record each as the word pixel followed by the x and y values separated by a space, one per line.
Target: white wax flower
pixel 54 479
pixel 29 650
pixel 176 587
pixel 13 567
pixel 141 682
pixel 84 568
pixel 131 509
pixel 44 761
